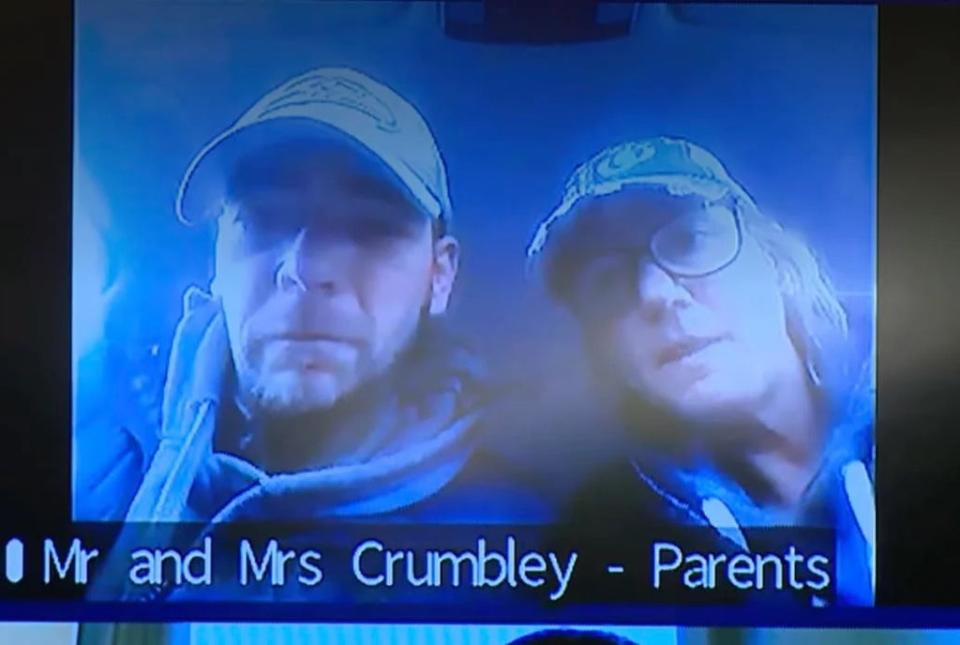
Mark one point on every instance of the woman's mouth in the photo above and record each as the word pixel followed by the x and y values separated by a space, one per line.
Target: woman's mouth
pixel 685 348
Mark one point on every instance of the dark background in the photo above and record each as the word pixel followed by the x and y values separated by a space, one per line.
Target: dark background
pixel 918 351
pixel 918 266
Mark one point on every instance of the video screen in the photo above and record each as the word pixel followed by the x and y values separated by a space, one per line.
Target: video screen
pixel 421 634
pixel 400 307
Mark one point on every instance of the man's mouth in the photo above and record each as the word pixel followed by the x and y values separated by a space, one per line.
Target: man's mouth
pixel 675 352
pixel 310 351
pixel 300 336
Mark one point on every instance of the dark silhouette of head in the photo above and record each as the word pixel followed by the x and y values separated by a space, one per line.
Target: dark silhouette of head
pixel 572 637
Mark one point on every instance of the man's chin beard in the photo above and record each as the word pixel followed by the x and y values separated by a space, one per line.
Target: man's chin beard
pixel 285 394
pixel 289 396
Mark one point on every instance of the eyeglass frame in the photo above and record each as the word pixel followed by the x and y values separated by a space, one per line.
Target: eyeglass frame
pixel 734 205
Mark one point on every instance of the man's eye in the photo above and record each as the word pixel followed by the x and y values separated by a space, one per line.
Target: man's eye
pixel 378 229
pixel 256 231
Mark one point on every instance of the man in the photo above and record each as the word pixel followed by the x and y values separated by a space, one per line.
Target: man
pixel 313 379
pixel 725 348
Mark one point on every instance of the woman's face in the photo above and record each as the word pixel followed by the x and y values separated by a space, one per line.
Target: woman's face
pixel 699 345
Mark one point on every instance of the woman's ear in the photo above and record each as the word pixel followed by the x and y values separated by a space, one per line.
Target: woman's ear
pixel 446 261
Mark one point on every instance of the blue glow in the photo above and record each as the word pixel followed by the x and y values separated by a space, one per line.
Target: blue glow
pixel 783 95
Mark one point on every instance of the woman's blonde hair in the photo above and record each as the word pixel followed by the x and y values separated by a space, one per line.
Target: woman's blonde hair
pixel 816 321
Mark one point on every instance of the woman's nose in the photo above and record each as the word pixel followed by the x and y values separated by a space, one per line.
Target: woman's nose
pixel 658 291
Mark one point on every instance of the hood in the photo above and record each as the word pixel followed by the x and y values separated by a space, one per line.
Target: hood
pixel 686 486
pixel 416 436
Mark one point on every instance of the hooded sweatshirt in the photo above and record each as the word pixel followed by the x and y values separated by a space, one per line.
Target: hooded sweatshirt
pixel 416 430
pixel 652 492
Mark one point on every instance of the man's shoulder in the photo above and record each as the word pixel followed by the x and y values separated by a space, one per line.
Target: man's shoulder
pixel 488 489
pixel 116 429
pixel 109 464
pixel 559 447
pixel 117 415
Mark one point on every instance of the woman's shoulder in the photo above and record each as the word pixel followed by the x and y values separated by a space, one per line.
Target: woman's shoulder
pixel 615 493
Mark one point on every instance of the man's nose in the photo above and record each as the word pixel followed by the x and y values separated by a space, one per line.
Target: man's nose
pixel 311 262
pixel 658 291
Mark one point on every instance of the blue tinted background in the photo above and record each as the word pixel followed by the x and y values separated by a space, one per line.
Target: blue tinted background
pixel 785 96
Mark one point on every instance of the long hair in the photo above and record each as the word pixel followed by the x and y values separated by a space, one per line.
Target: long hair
pixel 816 321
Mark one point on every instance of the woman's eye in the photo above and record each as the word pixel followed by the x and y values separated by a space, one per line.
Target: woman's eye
pixel 690 236
pixel 607 274
pixel 697 236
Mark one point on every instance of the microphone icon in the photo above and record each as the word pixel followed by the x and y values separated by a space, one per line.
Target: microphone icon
pixel 13 560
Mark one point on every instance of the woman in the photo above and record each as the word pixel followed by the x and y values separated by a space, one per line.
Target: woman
pixel 724 347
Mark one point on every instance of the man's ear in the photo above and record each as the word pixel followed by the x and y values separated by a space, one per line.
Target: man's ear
pixel 446 260
pixel 214 262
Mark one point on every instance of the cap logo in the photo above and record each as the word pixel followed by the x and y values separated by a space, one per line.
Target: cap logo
pixel 611 165
pixel 336 90
pixel 623 159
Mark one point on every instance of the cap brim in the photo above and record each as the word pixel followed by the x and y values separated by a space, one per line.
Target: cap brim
pixel 675 184
pixel 204 184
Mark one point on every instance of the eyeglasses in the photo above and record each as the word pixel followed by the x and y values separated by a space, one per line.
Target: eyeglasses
pixel 693 245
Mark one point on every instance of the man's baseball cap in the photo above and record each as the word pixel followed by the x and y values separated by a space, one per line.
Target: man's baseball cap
pixel 321 102
pixel 676 166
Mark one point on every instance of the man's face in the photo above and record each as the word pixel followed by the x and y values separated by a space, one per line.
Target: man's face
pixel 324 268
pixel 700 346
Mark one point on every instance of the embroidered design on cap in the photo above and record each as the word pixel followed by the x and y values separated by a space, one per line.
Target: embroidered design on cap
pixel 336 90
